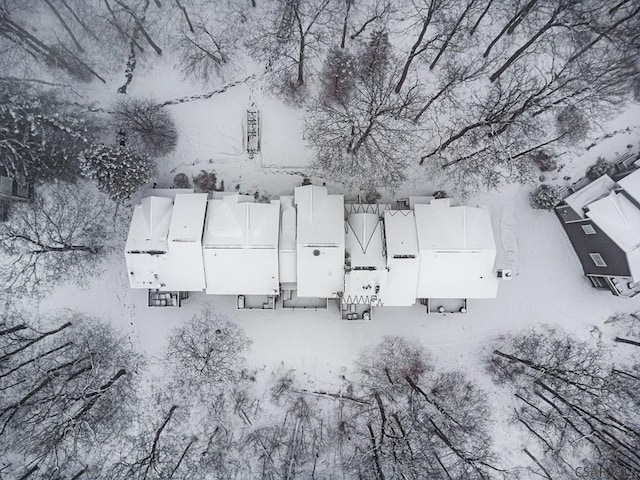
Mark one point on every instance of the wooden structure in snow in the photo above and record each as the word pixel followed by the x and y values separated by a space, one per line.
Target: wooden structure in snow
pixel 253 130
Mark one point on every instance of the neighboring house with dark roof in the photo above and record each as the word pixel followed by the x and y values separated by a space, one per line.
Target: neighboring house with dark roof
pixel 602 221
pixel 12 190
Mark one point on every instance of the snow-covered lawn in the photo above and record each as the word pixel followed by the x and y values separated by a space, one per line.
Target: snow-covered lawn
pixel 547 286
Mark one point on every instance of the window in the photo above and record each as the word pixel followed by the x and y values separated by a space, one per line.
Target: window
pixel 589 230
pixel 597 259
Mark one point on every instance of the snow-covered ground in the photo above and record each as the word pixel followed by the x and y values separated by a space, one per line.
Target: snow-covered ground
pixel 547 286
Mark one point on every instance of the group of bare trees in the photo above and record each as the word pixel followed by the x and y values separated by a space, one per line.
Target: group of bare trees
pixel 72 407
pixel 68 393
pixel 470 90
pixel 578 408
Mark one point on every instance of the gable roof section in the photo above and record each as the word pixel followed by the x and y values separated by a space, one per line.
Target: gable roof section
pixel 400 233
pixel 619 218
pixel 234 223
pixel 457 252
pixel 590 193
pixel 631 184
pixel 187 220
pixel 320 242
pixel 320 216
pixel 240 246
pixel 149 229
pixel 364 240
pixel 163 249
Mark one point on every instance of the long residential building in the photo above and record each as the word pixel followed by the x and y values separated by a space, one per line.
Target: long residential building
pixel 310 247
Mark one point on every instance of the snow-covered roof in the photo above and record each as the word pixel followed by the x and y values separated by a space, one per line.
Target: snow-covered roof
pixel 364 240
pixel 240 246
pixel 403 264
pixel 400 233
pixel 287 245
pixel 232 222
pixel 619 218
pixel 166 192
pixel 631 185
pixel 187 219
pixel 320 242
pixel 360 286
pixel 149 229
pixel 320 216
pixel 590 193
pixel 163 249
pixel 457 251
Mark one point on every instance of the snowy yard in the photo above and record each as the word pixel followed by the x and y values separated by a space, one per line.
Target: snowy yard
pixel 372 100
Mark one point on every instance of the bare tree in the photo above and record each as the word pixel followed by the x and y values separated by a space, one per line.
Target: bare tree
pixel 293 33
pixel 572 402
pixel 419 423
pixel 62 234
pixel 148 127
pixel 207 353
pixel 67 394
pixel 366 136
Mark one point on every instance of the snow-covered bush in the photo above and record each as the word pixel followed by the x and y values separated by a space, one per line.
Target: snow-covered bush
pixel 149 127
pixel 117 170
pixel 546 197
pixel 544 161
pixel 572 124
pixel 338 74
pixel 206 181
pixel 601 167
pixel 181 180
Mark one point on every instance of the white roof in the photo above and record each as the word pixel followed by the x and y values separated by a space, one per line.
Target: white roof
pixel 364 240
pixel 241 246
pixel 232 222
pixel 166 192
pixel 287 245
pixel 400 233
pixel 320 242
pixel 457 252
pixel 619 218
pixel 590 193
pixel 166 239
pixel 320 270
pixel 149 229
pixel 187 219
pixel 631 185
pixel 320 216
pixel 360 286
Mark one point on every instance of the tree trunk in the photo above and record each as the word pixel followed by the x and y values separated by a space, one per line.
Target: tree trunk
pixel 140 25
pixel 186 15
pixel 64 25
pixel 506 27
pixel 484 12
pixel 345 23
pixel 518 53
pixel 452 33
pixel 376 458
pixel 412 54
pixel 546 473
pixel 35 340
